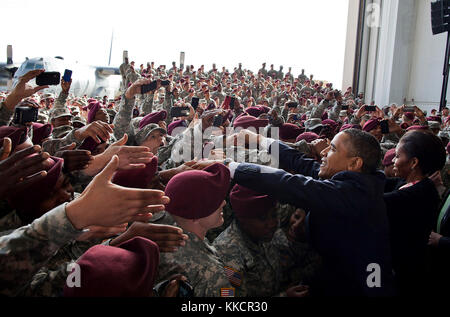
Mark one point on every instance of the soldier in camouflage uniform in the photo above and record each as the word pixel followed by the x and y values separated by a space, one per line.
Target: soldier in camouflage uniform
pixel 299 262
pixel 252 261
pixel 197 260
pixel 302 77
pixel 272 72
pixel 38 242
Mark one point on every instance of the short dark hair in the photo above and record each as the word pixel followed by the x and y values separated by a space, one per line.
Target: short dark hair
pixel 427 148
pixel 365 146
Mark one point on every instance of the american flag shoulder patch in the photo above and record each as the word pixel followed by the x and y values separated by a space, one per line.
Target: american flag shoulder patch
pixel 227 292
pixel 233 276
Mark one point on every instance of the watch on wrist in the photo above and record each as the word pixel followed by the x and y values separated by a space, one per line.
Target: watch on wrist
pixel 227 161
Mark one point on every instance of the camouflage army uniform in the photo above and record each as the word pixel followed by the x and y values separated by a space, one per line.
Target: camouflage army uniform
pixel 184 94
pixel 200 263
pixel 192 138
pixel 61 131
pixel 123 68
pixel 218 94
pixel 263 71
pixel 28 248
pixel 60 102
pixel 79 180
pixel 272 73
pixel 131 77
pixel 53 145
pixel 306 89
pixel 302 77
pixel 6 115
pixel 317 112
pixel 123 118
pixel 228 217
pixel 49 281
pixel 147 104
pixel 298 261
pixel 10 221
pixel 258 264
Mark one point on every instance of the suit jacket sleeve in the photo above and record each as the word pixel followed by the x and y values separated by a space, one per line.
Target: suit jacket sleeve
pixel 292 160
pixel 298 190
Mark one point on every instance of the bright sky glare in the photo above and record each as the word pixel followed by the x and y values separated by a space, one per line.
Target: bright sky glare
pixel 307 34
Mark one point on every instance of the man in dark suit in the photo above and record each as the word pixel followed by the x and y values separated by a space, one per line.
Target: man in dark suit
pixel 347 222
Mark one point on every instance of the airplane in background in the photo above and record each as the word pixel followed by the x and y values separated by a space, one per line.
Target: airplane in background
pixel 86 80
pixel 7 70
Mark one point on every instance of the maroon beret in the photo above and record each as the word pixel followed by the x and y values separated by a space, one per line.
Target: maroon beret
pixel 153 117
pixel 265 109
pixel 17 135
pixel 136 178
pixel 93 108
pixel 333 124
pixel 249 121
pixel 27 200
pixel 409 115
pixel 388 157
pixel 289 131
pixel 371 124
pixel 247 203
pixel 307 136
pixel 417 127
pixel 41 132
pixel 255 111
pixel 325 115
pixel 350 126
pixel 128 270
pixel 197 194
pixel 435 118
pixel 176 124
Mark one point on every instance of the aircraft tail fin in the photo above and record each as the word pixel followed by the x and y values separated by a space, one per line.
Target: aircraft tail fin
pixel 9 55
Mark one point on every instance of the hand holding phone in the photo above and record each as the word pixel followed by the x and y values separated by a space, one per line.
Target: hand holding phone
pixel 194 102
pixel 384 124
pixel 67 75
pixel 218 120
pixel 148 87
pixel 23 115
pixel 370 108
pixel 176 112
pixel 48 78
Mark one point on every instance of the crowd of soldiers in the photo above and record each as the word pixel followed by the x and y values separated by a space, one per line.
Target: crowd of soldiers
pixel 140 200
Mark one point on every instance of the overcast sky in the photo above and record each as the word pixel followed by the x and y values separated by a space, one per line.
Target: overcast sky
pixel 307 34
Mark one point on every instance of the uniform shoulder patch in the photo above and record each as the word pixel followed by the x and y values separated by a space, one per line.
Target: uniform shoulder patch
pixel 227 292
pixel 234 276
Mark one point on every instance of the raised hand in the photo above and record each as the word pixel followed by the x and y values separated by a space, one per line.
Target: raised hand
pixel 168 238
pixel 23 89
pixel 22 169
pixel 105 204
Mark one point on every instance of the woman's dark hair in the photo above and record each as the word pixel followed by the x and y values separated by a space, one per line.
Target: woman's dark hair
pixel 427 148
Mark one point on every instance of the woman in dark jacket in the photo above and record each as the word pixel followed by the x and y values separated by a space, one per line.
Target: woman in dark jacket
pixel 413 208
